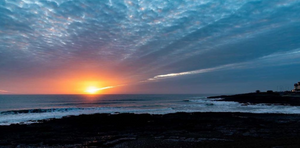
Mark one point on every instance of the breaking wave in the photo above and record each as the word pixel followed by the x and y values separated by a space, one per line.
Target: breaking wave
pixel 154 106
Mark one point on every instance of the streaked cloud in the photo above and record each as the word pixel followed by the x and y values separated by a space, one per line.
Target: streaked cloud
pixel 3 91
pixel 170 75
pixel 276 59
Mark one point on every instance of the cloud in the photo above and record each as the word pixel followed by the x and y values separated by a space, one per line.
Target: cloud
pixel 40 31
pixel 3 91
pixel 170 75
pixel 141 40
pixel 276 59
pixel 108 87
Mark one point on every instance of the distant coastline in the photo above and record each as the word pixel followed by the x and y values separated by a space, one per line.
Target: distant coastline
pixel 291 98
pixel 269 97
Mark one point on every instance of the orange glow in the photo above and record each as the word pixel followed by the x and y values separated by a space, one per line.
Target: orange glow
pixel 70 80
pixel 95 90
pixel 92 90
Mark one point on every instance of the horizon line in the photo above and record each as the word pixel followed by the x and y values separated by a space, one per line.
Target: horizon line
pixel 121 94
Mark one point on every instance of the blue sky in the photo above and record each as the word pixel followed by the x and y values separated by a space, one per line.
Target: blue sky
pixel 160 46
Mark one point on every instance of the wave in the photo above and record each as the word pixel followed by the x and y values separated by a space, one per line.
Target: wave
pixel 11 112
pixel 105 102
pixel 36 115
pixel 29 116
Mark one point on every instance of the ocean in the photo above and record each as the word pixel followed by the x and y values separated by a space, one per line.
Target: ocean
pixel 26 109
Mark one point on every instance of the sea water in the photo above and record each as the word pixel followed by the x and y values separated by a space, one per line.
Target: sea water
pixel 26 109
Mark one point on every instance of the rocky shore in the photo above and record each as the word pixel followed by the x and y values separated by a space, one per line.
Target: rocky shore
pixel 144 130
pixel 278 98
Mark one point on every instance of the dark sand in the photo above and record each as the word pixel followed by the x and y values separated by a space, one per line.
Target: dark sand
pixel 237 130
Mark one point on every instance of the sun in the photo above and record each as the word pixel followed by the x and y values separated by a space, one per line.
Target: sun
pixel 92 90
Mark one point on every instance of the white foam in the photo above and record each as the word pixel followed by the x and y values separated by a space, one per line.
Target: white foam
pixel 27 118
pixel 195 105
pixel 206 105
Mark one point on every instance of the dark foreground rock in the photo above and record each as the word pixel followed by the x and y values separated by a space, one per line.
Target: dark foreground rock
pixel 278 98
pixel 238 130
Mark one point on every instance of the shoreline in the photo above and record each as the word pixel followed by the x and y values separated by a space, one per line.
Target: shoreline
pixel 269 97
pixel 211 129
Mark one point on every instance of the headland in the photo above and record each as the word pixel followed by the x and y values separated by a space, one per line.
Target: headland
pixel 291 98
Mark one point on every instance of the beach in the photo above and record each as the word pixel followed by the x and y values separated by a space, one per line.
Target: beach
pixel 146 130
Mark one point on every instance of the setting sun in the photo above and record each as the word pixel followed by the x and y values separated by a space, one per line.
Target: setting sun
pixel 95 90
pixel 92 90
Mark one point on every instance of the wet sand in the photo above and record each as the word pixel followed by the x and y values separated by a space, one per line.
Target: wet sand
pixel 239 130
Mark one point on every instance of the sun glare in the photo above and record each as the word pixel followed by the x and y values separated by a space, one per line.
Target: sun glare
pixel 92 90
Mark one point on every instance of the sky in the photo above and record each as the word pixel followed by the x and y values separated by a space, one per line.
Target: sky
pixel 148 46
